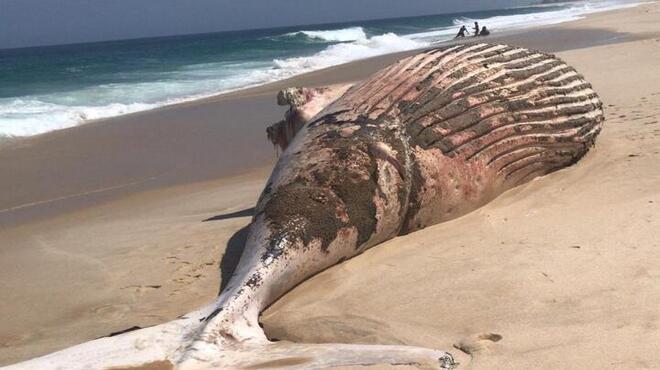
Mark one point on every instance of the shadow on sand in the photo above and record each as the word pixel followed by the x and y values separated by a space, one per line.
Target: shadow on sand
pixel 242 213
pixel 233 252
pixel 235 245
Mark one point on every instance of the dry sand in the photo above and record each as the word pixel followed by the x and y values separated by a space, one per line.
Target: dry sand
pixel 563 272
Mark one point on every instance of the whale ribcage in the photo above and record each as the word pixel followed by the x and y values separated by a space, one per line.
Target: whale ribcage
pixel 525 113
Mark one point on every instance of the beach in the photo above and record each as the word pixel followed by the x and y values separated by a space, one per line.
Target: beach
pixel 135 220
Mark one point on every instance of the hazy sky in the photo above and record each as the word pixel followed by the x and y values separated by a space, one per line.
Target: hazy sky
pixel 45 22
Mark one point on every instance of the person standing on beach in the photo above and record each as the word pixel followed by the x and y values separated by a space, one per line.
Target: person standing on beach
pixel 461 32
pixel 476 28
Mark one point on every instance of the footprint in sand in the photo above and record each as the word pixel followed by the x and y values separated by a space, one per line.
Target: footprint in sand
pixel 141 289
pixel 186 272
pixel 18 339
pixel 477 343
pixel 110 310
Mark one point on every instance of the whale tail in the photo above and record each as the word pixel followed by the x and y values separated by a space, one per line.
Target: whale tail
pixel 229 335
pixel 170 346
pixel 289 355
pixel 226 334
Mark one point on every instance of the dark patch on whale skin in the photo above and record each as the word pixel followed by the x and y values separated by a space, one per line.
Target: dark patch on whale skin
pixel 329 118
pixel 212 314
pixel 356 192
pixel 417 182
pixel 358 196
pixel 414 200
pixel 301 211
pixel 307 207
pixel 254 281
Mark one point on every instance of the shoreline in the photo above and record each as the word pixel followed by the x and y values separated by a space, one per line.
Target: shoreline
pixel 274 86
pixel 196 141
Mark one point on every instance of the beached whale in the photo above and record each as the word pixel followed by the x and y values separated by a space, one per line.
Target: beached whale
pixel 428 139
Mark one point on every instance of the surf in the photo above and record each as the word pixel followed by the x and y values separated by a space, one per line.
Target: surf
pixel 338 35
pixel 54 96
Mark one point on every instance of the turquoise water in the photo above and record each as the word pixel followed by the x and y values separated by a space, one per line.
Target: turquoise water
pixel 49 88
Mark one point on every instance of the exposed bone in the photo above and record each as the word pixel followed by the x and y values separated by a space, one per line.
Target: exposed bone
pixel 304 103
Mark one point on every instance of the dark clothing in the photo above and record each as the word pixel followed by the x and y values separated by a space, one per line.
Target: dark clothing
pixel 461 32
pixel 484 32
pixel 476 28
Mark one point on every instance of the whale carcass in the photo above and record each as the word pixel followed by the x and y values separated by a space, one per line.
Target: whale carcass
pixel 425 140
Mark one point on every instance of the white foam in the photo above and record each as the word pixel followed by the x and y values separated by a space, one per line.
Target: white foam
pixel 32 115
pixel 346 52
pixel 339 35
pixel 543 18
pixel 520 21
pixel 26 117
pixel 37 114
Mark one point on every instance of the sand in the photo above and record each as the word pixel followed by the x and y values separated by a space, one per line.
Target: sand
pixel 563 272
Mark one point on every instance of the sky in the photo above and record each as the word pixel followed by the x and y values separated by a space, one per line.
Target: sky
pixel 25 23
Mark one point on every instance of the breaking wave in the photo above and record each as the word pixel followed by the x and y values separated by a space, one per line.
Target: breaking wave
pixel 125 89
pixel 340 35
pixel 346 52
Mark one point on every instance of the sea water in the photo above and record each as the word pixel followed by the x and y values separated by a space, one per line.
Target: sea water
pixel 49 88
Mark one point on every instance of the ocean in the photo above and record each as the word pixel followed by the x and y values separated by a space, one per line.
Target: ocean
pixel 49 88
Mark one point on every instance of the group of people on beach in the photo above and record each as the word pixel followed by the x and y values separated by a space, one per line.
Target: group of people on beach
pixel 477 32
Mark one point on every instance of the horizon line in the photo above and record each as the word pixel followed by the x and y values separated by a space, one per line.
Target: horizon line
pixel 183 35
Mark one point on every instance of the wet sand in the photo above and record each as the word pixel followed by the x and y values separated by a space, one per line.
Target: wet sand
pixel 132 218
